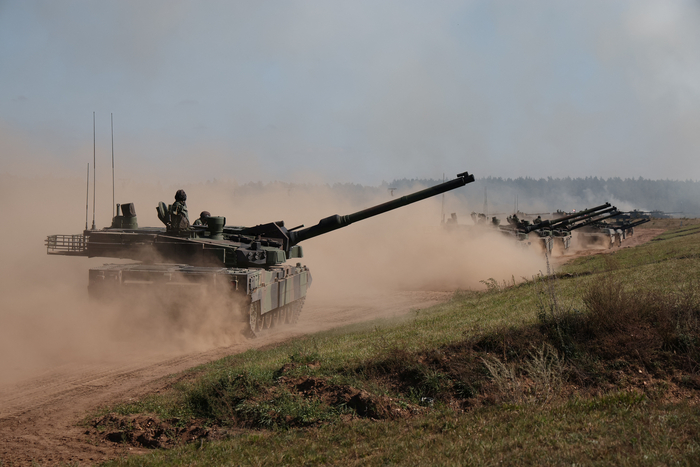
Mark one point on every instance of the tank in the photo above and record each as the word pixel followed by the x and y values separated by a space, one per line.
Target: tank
pixel 626 227
pixel 246 267
pixel 558 231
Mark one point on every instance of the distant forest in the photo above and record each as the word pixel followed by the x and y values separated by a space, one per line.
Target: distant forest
pixel 501 196
pixel 505 195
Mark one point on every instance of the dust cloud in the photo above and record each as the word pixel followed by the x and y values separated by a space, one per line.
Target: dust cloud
pixel 47 319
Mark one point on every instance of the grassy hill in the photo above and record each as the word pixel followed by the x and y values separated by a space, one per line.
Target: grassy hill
pixel 598 364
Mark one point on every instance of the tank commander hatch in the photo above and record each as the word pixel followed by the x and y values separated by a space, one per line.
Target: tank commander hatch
pixel 179 219
pixel 203 217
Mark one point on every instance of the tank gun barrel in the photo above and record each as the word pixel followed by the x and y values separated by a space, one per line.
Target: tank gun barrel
pixel 562 222
pixel 336 222
pixel 609 213
pixel 635 223
pixel 579 215
pixel 590 217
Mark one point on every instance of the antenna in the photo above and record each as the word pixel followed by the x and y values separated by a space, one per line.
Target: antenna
pixel 111 115
pixel 93 169
pixel 442 212
pixel 87 196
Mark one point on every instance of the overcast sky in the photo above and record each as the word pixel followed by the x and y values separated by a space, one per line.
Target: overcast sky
pixel 352 91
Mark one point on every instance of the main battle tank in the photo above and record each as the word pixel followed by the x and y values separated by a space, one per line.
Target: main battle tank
pixel 244 265
pixel 561 227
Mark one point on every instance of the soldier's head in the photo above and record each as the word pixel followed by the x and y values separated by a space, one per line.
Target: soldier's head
pixel 181 196
pixel 204 214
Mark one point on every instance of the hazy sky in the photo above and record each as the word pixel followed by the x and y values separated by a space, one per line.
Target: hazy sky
pixel 352 91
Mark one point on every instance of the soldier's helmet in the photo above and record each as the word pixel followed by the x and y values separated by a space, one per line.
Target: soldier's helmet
pixel 204 214
pixel 181 196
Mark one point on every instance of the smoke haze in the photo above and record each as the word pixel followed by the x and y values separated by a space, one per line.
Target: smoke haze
pixel 356 91
pixel 47 319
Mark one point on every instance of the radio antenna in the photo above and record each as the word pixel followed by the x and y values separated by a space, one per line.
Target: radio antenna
pixel 94 138
pixel 442 221
pixel 87 196
pixel 111 115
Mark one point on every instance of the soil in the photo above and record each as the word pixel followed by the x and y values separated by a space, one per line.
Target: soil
pixel 40 416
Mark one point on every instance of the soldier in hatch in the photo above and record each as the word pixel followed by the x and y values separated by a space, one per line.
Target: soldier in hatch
pixel 179 220
pixel 203 216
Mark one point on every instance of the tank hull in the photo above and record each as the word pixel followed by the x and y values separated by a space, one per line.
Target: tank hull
pixel 260 298
pixel 606 238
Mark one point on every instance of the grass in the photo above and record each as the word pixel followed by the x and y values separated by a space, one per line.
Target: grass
pixel 614 430
pixel 599 368
pixel 669 223
pixel 678 244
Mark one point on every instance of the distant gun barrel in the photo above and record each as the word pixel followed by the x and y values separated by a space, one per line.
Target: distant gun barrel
pixel 613 213
pixel 562 222
pixel 592 217
pixel 581 215
pixel 634 224
pixel 337 222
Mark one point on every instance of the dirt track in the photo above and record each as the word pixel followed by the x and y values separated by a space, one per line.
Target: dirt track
pixel 39 415
pixel 640 236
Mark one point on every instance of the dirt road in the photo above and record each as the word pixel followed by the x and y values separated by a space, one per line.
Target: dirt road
pixel 39 415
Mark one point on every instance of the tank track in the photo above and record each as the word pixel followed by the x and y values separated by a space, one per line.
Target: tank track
pixel 255 294
pixel 262 324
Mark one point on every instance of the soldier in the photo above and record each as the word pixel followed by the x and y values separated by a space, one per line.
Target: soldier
pixel 179 220
pixel 203 216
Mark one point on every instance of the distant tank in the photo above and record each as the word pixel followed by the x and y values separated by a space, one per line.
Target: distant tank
pixel 591 230
pixel 599 235
pixel 244 265
pixel 560 228
pixel 551 234
pixel 626 227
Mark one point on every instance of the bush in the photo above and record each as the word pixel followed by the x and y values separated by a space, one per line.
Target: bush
pixel 610 307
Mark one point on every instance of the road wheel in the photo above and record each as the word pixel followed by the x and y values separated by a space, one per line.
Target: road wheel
pixel 296 307
pixel 255 318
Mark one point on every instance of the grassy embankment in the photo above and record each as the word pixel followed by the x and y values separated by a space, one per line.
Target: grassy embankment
pixel 599 365
pixel 670 223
